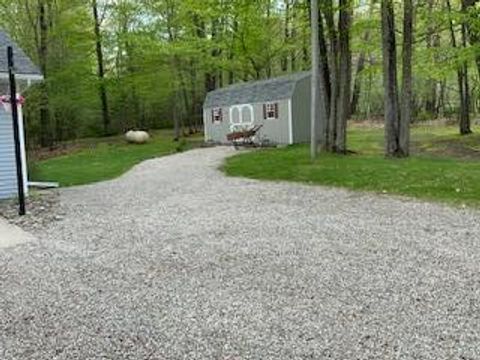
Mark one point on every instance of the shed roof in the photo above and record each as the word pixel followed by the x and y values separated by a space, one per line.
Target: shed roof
pixel 254 92
pixel 23 64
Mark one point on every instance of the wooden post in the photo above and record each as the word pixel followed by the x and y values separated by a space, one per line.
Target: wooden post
pixel 16 132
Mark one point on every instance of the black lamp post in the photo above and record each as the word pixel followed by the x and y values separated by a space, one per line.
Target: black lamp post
pixel 16 131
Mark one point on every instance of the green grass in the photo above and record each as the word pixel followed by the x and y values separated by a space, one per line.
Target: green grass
pixel 444 167
pixel 104 159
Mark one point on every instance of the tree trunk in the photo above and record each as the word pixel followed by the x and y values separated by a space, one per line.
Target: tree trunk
pixel 231 55
pixel 315 108
pixel 176 120
pixel 45 136
pixel 101 70
pixel 390 78
pixel 324 67
pixel 473 31
pixel 441 98
pixel 432 41
pixel 334 76
pixel 293 35
pixel 306 38
pixel 357 84
pixel 195 113
pixel 345 72
pixel 462 78
pixel 210 78
pixel 407 88
pixel 286 30
pixel 465 128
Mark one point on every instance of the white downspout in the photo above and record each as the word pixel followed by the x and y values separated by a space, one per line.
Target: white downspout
pixel 23 152
pixel 290 122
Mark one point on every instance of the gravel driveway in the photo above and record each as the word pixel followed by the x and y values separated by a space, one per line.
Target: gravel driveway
pixel 175 261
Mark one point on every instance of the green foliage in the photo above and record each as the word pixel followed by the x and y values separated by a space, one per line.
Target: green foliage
pixel 159 55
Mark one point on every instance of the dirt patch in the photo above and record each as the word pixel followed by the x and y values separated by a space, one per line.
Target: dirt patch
pixel 43 208
pixel 466 148
pixel 457 150
pixel 373 123
pixel 68 148
pixel 379 123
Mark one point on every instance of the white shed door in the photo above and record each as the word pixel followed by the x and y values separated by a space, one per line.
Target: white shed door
pixel 235 117
pixel 241 117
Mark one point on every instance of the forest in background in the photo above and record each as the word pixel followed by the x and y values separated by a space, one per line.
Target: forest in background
pixel 112 65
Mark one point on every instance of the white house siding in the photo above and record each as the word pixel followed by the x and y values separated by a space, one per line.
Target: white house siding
pixel 8 174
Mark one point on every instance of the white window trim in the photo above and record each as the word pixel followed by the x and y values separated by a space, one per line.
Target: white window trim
pixel 231 111
pixel 217 122
pixel 241 123
pixel 267 111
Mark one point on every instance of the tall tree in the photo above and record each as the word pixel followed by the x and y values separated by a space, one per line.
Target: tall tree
pixel 344 76
pixel 361 61
pixel 462 73
pixel 432 38
pixel 315 105
pixel 397 115
pixel 335 71
pixel 219 42
pixel 42 48
pixel 472 23
pixel 407 86
pixel 101 69
pixel 284 60
pixel 389 46
pixel 357 81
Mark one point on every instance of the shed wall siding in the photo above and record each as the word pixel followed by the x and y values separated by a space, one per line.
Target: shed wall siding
pixel 217 132
pixel 8 177
pixel 301 111
pixel 274 130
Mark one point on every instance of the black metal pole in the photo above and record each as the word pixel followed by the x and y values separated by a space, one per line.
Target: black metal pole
pixel 16 132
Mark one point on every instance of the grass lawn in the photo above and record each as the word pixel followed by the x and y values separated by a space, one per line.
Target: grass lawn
pixel 95 160
pixel 444 165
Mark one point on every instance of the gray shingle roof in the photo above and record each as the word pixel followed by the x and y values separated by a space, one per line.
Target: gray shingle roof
pixel 23 64
pixel 254 92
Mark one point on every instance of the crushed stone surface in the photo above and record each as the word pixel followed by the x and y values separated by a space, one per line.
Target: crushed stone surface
pixel 174 260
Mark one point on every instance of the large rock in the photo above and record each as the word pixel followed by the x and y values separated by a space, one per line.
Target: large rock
pixel 137 137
